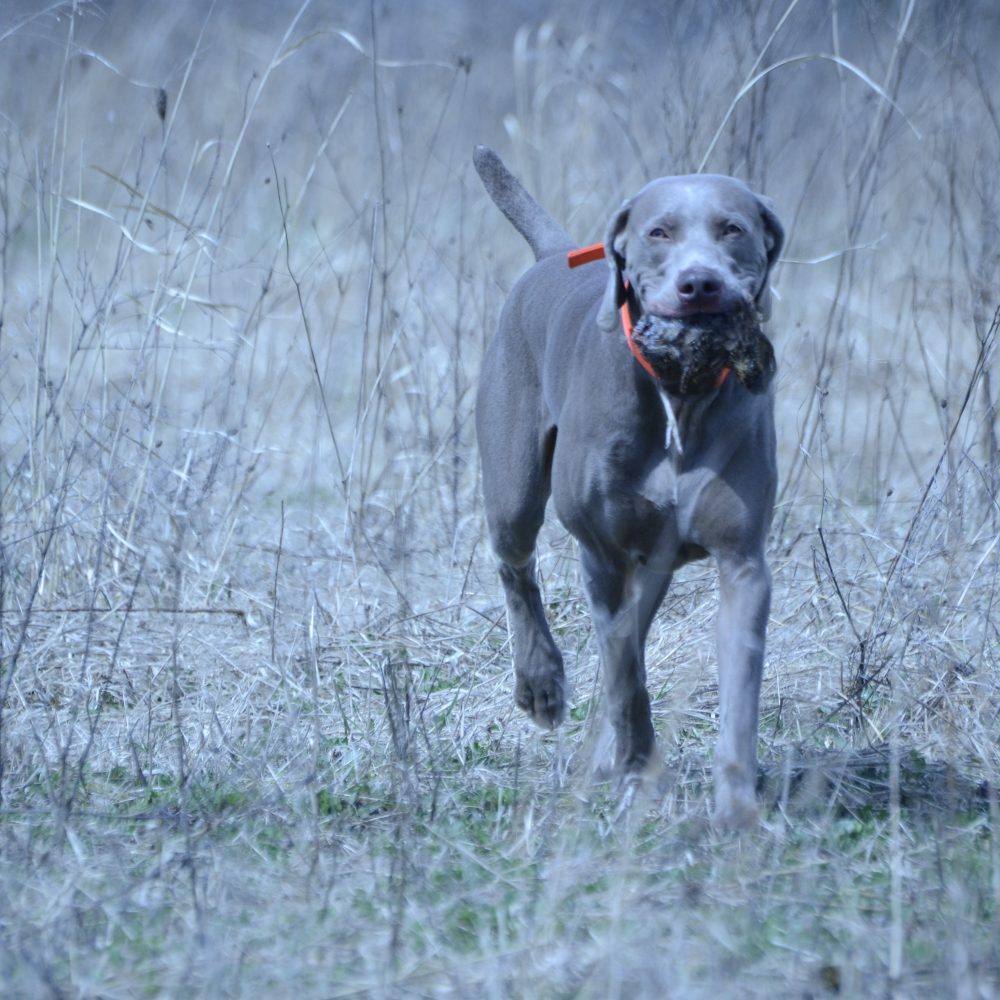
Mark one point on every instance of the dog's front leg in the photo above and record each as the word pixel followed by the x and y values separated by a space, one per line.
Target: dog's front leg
pixel 623 600
pixel 538 666
pixel 744 602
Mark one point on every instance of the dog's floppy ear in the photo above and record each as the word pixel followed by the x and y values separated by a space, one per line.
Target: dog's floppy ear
pixel 614 252
pixel 774 240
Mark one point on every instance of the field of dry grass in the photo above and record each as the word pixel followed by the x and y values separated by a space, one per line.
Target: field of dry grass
pixel 257 735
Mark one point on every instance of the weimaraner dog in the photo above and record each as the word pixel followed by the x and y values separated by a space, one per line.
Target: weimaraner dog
pixel 643 480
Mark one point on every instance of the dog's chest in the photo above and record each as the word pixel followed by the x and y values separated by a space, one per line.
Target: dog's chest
pixel 625 494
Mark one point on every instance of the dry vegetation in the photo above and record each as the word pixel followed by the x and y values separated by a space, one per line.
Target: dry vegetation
pixel 256 728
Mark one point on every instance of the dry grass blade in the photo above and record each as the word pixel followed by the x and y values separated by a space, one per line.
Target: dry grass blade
pixel 138 244
pixel 748 87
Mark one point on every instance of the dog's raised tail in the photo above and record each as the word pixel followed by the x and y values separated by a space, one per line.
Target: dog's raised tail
pixel 544 235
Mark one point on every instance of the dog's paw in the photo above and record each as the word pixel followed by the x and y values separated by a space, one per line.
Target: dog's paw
pixel 542 694
pixel 735 808
pixel 631 786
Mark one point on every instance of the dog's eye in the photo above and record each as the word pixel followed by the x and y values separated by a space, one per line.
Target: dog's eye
pixel 732 229
pixel 659 233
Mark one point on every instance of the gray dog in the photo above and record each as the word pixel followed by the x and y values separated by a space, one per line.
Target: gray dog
pixel 645 479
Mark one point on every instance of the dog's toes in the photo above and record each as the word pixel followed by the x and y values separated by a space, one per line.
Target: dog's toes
pixel 543 697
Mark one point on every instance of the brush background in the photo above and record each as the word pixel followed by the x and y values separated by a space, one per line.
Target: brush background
pixel 257 733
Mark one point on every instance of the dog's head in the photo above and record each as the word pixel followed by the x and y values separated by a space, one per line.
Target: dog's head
pixel 691 245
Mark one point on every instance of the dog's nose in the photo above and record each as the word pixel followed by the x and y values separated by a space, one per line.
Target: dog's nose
pixel 698 286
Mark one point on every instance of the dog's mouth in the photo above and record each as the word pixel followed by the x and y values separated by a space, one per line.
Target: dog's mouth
pixel 723 324
pixel 693 312
pixel 688 353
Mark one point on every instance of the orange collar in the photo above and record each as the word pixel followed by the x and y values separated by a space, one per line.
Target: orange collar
pixel 587 255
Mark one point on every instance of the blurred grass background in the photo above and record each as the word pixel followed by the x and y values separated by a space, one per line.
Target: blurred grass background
pixel 256 726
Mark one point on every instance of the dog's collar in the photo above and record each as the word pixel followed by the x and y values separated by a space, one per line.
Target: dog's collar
pixel 587 255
